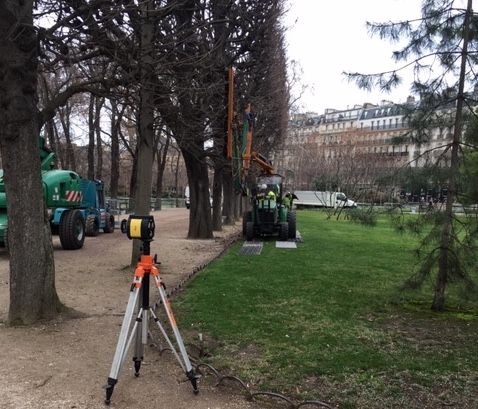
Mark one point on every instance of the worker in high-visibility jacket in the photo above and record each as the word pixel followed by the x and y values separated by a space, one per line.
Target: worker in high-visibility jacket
pixel 271 195
pixel 287 200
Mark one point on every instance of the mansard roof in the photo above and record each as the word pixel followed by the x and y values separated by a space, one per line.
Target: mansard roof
pixel 382 111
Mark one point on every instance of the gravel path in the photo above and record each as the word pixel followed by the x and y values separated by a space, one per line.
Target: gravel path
pixel 66 363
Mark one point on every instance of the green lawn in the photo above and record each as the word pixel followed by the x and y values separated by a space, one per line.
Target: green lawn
pixel 327 320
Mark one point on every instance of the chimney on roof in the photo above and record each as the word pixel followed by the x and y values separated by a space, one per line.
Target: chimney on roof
pixel 410 99
pixel 368 105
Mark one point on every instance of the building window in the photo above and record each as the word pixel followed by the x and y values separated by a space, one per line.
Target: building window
pixel 373 123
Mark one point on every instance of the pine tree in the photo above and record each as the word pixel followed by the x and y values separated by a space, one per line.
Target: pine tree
pixel 442 49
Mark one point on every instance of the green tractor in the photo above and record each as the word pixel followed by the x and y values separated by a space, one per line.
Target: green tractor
pixel 269 215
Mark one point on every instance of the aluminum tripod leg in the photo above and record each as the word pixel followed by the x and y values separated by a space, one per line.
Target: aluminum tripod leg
pixel 187 367
pixel 121 347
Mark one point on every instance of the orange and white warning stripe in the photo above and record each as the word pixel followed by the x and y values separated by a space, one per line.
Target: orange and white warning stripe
pixel 73 196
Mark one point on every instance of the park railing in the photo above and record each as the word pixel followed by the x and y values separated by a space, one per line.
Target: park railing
pixel 124 205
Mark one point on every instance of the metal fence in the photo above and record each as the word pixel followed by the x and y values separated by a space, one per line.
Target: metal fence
pixel 123 205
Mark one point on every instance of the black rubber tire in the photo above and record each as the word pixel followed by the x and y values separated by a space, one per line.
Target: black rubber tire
pixel 291 219
pixel 109 223
pixel 72 230
pixel 284 231
pixel 249 231
pixel 92 226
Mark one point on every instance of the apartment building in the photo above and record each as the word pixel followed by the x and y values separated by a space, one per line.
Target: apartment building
pixel 361 142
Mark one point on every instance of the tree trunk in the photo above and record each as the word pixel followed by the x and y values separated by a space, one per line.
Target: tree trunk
pixel 176 177
pixel 99 144
pixel 229 196
pixel 115 153
pixel 50 131
pixel 91 138
pixel 60 150
pixel 447 230
pixel 161 156
pixel 159 188
pixel 70 153
pixel 32 272
pixel 200 226
pixel 133 183
pixel 145 144
pixel 217 198
pixel 70 161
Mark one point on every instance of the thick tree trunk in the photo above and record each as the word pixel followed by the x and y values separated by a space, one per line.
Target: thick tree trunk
pixel 32 272
pixel 200 225
pixel 145 144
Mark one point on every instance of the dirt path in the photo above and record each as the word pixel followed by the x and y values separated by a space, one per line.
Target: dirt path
pixel 65 364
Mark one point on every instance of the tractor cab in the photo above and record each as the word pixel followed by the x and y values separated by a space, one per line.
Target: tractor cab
pixel 268 191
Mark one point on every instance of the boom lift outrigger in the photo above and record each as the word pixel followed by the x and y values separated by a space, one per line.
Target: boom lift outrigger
pixel 269 214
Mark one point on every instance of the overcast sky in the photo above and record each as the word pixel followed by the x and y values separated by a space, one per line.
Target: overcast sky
pixel 328 37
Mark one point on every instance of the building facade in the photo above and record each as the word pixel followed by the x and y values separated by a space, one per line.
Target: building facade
pixel 354 147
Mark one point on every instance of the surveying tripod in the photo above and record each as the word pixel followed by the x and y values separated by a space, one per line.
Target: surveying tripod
pixel 142 227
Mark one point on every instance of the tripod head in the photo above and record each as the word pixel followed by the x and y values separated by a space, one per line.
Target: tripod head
pixel 141 228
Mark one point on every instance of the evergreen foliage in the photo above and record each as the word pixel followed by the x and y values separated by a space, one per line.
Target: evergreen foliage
pixel 442 49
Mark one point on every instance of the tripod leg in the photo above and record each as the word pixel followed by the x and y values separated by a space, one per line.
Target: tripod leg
pixel 179 340
pixel 121 346
pixel 142 328
pixel 165 335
